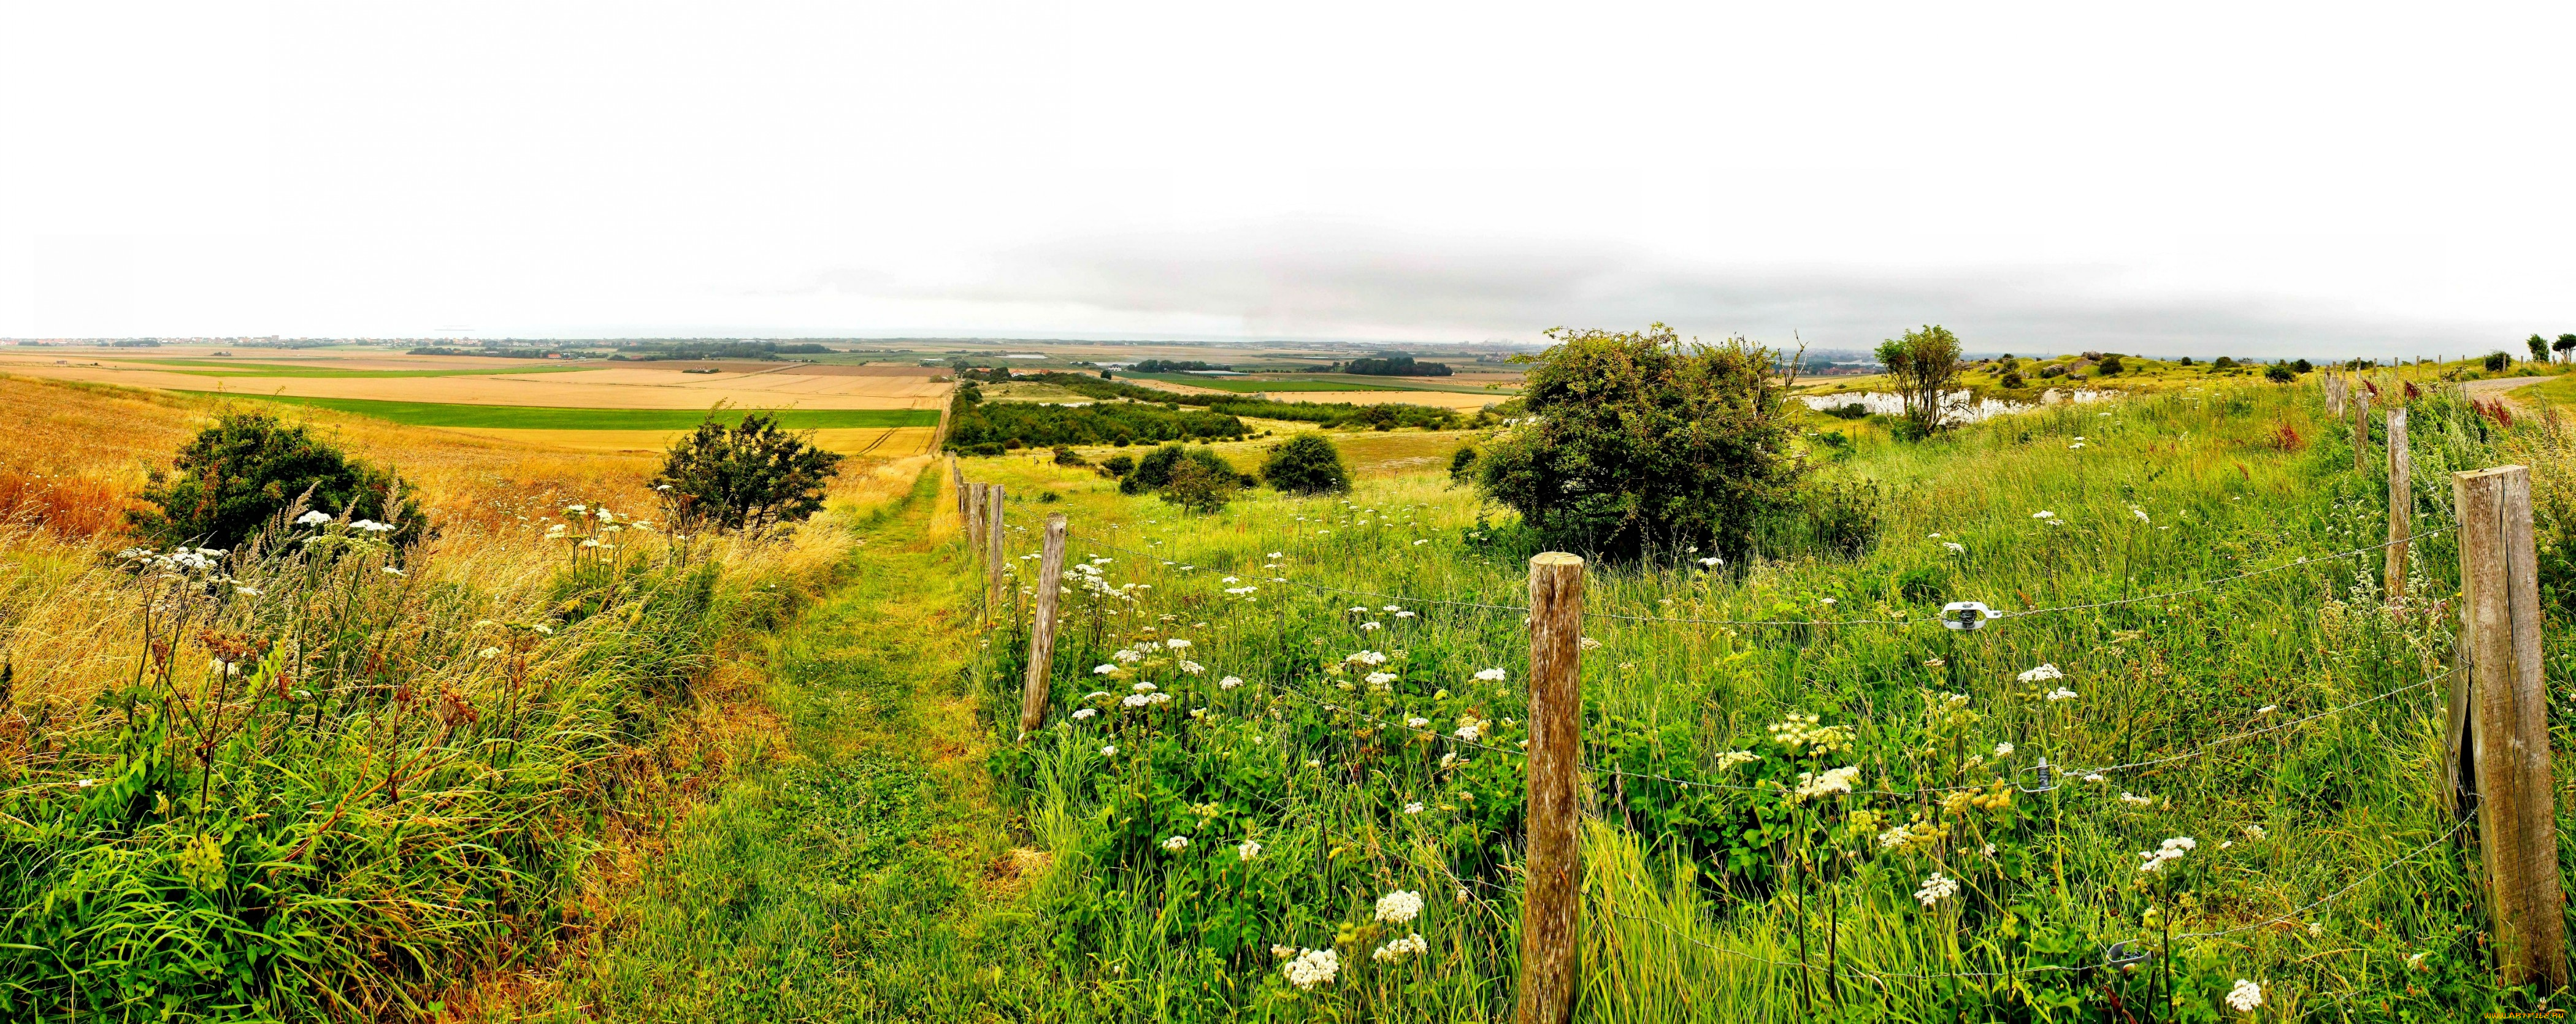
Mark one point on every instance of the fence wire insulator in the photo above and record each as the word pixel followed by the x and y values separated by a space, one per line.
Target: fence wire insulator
pixel 2126 953
pixel 1967 614
pixel 2042 778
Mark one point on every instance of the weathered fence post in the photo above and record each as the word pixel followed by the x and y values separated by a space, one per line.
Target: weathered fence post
pixel 2401 504
pixel 1033 695
pixel 957 475
pixel 1552 897
pixel 2506 707
pixel 975 501
pixel 2361 430
pixel 993 604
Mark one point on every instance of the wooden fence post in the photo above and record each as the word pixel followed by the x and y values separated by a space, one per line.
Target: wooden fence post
pixel 1552 895
pixel 993 603
pixel 975 517
pixel 2507 730
pixel 1033 695
pixel 957 475
pixel 2361 430
pixel 2401 504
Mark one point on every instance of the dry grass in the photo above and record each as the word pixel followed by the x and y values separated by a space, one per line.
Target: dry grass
pixel 619 386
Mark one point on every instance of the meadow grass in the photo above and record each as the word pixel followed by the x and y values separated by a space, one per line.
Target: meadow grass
pixel 528 417
pixel 1244 386
pixel 2317 868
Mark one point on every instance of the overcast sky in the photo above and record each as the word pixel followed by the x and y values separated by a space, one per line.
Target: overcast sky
pixel 2174 179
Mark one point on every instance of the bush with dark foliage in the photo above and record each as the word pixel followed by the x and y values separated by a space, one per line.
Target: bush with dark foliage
pixel 247 468
pixel 744 477
pixel 1306 464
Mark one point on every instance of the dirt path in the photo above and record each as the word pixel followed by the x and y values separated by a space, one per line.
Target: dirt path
pixel 864 873
pixel 2500 386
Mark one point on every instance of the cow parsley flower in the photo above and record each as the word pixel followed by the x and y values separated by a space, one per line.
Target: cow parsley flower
pixel 1710 562
pixel 2061 693
pixel 1397 950
pixel 488 653
pixel 2041 674
pixel 1083 713
pixel 1832 781
pixel 1379 680
pixel 1470 729
pixel 1247 850
pixel 1399 907
pixel 1491 675
pixel 1229 682
pixel 1109 751
pixel 312 518
pixel 2043 514
pixel 2127 797
pixel 2003 750
pixel 1365 658
pixel 1936 888
pixel 1192 667
pixel 1177 644
pixel 1313 967
pixel 1735 757
pixel 1102 670
pixel 1416 723
pixel 1177 844
pixel 2170 849
pixel 1144 687
pixel 1371 627
pixel 1955 546
pixel 2245 996
pixel 1413 808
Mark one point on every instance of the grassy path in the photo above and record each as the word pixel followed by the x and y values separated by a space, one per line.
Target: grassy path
pixel 862 873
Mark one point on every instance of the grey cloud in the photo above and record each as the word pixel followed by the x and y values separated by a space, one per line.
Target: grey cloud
pixel 1320 279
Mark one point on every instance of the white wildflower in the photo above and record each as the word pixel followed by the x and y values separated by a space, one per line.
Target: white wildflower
pixel 1399 907
pixel 2061 693
pixel 1177 844
pixel 1835 780
pixel 1313 967
pixel 1399 949
pixel 2245 996
pixel 312 518
pixel 2003 750
pixel 1371 627
pixel 1109 751
pixel 1937 888
pixel 1083 713
pixel 488 653
pixel 1247 850
pixel 1229 682
pixel 1416 723
pixel 2043 514
pixel 2170 849
pixel 1491 675
pixel 1413 808
pixel 2040 674
pixel 1955 546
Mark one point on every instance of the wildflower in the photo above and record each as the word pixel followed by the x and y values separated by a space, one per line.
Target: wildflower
pixel 1313 967
pixel 1177 644
pixel 1371 627
pixel 1095 695
pixel 1102 670
pixel 1735 757
pixel 1404 615
pixel 1895 838
pixel 1399 906
pixel 1313 763
pixel 1399 949
pixel 576 508
pixel 2042 673
pixel 2093 777
pixel 1273 556
pixel 2043 514
pixel 85 783
pixel 488 653
pixel 1470 729
pixel 391 571
pixel 1955 546
pixel 1420 543
pixel 1448 759
pixel 2255 832
pixel 1462 898
pixel 2003 750
pixel 1083 713
pixel 1589 644
pixel 1392 608
pixel 1936 663
pixel 1380 679
pixel 1229 682
pixel 1247 850
pixel 314 517
pixel 1359 610
pixel 1491 675
pixel 2245 996
pixel 1109 751
pixel 1229 579
pixel 1413 808
pixel 543 629
pixel 246 591
pixel 1177 844
pixel 2061 693
pixel 1144 687
pixel 1936 888
pixel 1416 723
pixel 2170 849
pixel 1365 658
pixel 1192 667
pixel 1832 781
pixel 2140 513
pixel 2267 709
pixel 2127 797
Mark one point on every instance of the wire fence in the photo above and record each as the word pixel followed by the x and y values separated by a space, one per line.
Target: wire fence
pixel 2045 778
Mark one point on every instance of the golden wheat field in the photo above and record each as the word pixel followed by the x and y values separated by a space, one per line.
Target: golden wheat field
pixel 577 385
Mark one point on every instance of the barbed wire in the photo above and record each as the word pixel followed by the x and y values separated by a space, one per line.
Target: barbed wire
pixel 2222 741
pixel 1878 976
pixel 2335 895
pixel 2205 585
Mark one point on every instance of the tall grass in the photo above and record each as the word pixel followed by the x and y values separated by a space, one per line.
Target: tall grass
pixel 316 778
pixel 1747 903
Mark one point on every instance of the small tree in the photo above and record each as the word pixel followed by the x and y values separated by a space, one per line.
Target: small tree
pixel 1636 441
pixel 238 474
pixel 2109 366
pixel 2279 373
pixel 2539 348
pixel 2564 344
pixel 2495 362
pixel 1199 487
pixel 744 477
pixel 1306 464
pixel 1462 466
pixel 1924 364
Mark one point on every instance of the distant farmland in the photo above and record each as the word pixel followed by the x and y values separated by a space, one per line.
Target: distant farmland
pixel 229 368
pixel 523 417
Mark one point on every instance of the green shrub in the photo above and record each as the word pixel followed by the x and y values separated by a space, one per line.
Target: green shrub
pixel 1199 487
pixel 248 468
pixel 1069 457
pixel 1119 465
pixel 2497 361
pixel 2013 379
pixel 1306 464
pixel 748 476
pixel 2279 373
pixel 1154 471
pixel 2109 365
pixel 1848 411
pixel 1643 443
pixel 1462 465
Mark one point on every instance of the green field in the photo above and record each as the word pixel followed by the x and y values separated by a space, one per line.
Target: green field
pixel 523 417
pixel 1254 386
pixel 227 368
